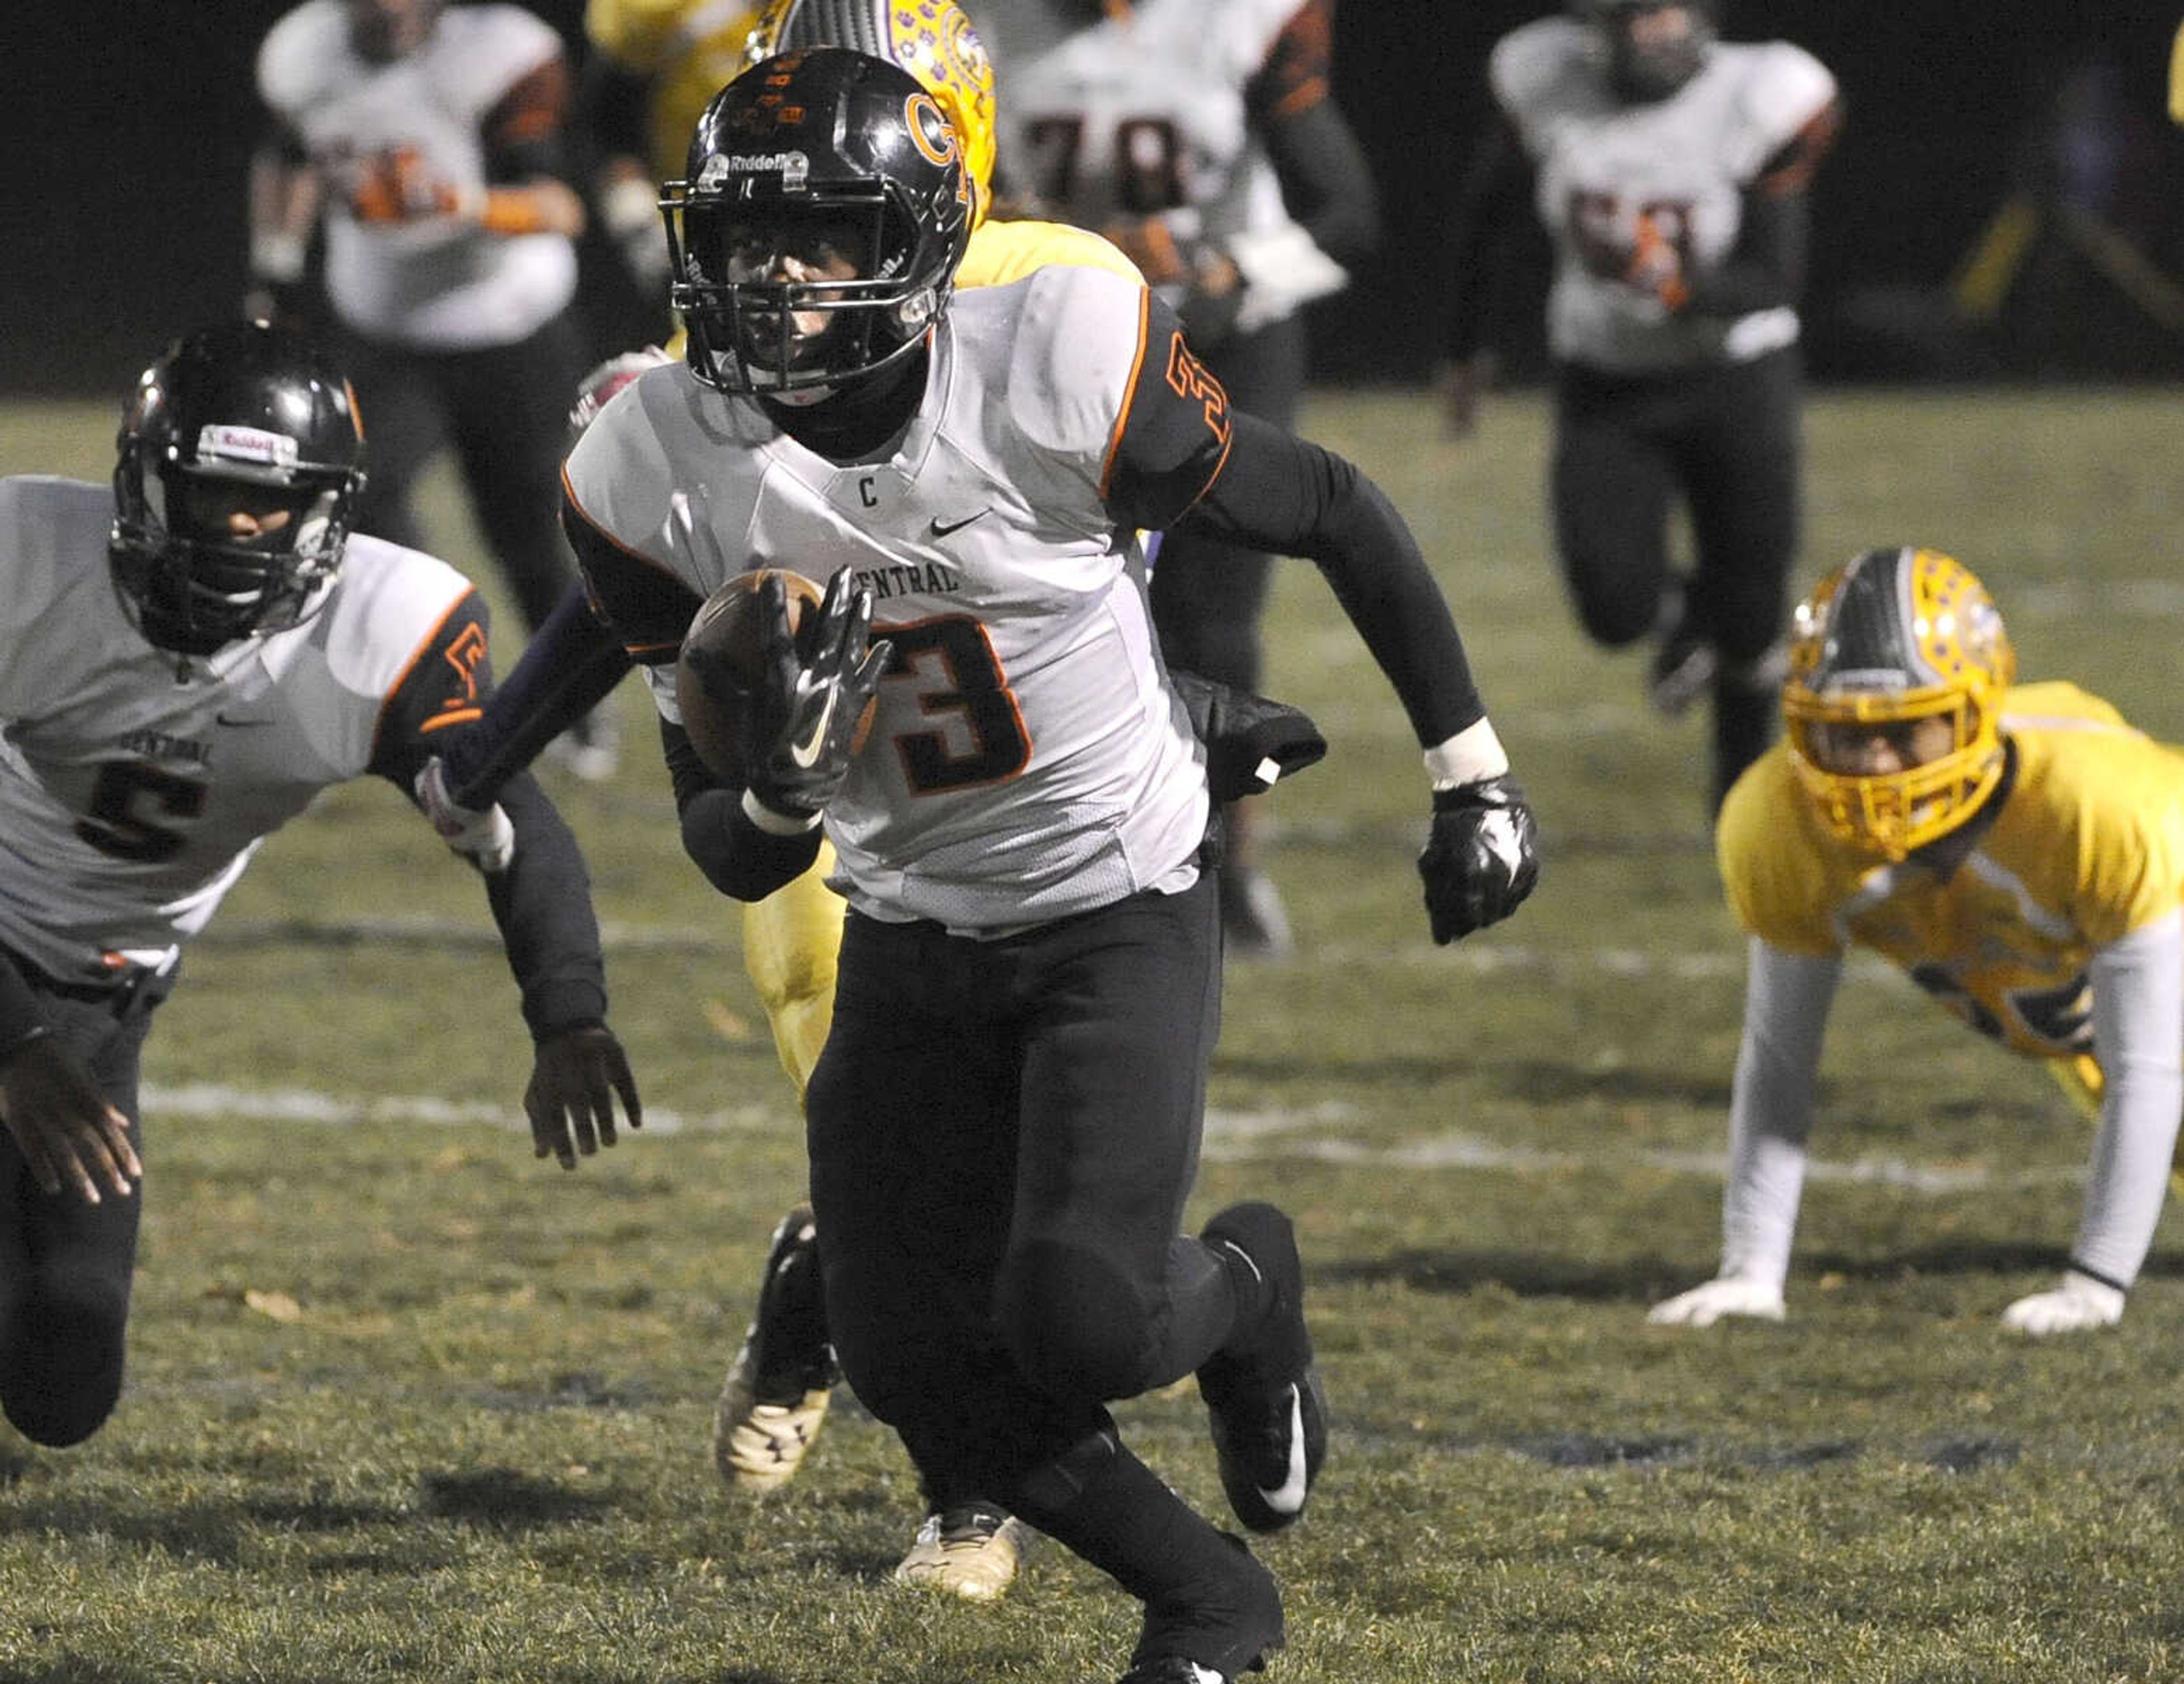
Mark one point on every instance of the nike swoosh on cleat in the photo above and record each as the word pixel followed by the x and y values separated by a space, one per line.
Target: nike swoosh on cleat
pixel 1288 1496
pixel 805 751
pixel 938 530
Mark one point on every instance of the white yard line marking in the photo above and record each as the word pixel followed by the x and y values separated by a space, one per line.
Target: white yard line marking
pixel 1314 1135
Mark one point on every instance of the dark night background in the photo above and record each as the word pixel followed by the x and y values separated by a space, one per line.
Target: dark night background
pixel 125 220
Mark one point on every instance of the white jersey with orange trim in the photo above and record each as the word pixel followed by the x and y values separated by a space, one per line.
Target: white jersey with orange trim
pixel 1685 161
pixel 1028 760
pixel 1142 112
pixel 432 281
pixel 136 784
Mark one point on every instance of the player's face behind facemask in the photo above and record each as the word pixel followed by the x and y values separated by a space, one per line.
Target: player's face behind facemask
pixel 1898 667
pixel 238 467
pixel 1653 46
pixel 815 240
pixel 383 31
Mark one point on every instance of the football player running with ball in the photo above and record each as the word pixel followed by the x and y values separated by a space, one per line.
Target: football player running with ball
pixel 2017 851
pixel 778 1386
pixel 1670 171
pixel 190 655
pixel 1004 1124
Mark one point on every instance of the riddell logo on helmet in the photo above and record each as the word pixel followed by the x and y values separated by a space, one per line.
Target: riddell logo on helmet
pixel 247 444
pixel 794 168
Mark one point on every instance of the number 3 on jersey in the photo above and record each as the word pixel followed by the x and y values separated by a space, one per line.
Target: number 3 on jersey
pixel 978 734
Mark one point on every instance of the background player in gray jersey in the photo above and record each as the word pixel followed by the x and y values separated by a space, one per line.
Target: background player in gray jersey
pixel 187 658
pixel 1004 1124
pixel 1670 170
pixel 1200 136
pixel 427 145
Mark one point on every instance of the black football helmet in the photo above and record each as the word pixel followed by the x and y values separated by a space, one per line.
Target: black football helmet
pixel 1649 60
pixel 816 237
pixel 237 469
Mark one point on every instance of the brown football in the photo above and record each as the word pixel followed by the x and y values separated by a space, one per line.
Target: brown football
pixel 728 625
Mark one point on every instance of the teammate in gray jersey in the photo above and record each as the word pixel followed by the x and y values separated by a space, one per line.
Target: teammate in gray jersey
pixel 426 144
pixel 187 658
pixel 1201 137
pixel 1004 1124
pixel 1670 170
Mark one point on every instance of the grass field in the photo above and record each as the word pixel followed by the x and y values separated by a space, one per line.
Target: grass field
pixel 405 1403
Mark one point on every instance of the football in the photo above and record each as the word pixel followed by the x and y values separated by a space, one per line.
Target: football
pixel 729 626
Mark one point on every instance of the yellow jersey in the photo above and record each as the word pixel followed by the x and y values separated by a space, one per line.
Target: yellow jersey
pixel 2088 846
pixel 689 49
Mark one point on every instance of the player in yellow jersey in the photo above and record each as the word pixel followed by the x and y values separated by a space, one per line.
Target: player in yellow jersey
pixel 2177 77
pixel 2017 851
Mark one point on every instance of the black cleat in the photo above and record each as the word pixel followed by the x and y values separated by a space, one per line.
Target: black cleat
pixel 1266 1404
pixel 1234 1620
pixel 777 1389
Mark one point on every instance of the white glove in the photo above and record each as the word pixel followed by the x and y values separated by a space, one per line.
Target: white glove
pixel 2080 1302
pixel 486 838
pixel 1726 1295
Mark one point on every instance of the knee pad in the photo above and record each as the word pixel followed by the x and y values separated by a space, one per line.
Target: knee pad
pixel 60 1367
pixel 1075 1320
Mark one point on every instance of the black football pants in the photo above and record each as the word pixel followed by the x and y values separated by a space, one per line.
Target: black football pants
pixel 505 410
pixel 65 1265
pixel 1003 1134
pixel 1727 442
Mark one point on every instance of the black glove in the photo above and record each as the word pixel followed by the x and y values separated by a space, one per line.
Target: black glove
pixel 1481 858
pixel 1249 741
pixel 799 729
pixel 574 1079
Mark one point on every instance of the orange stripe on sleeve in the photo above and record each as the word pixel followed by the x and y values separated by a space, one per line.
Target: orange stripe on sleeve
pixel 1129 392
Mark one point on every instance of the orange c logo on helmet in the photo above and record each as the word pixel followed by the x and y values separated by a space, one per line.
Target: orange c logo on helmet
pixel 929 127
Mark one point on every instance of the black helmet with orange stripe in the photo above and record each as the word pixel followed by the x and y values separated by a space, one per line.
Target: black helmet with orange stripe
pixel 816 237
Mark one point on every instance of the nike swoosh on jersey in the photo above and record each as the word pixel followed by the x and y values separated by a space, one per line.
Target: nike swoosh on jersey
pixel 805 751
pixel 938 530
pixel 224 719
pixel 1288 1496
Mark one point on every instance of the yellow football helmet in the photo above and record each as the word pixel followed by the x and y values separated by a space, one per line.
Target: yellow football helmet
pixel 1890 639
pixel 931 39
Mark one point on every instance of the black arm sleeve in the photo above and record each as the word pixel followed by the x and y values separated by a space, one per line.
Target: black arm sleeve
pixel 542 902
pixel 1281 494
pixel 1485 230
pixel 1765 267
pixel 526 134
pixel 568 668
pixel 738 859
pixel 647 606
pixel 1186 462
pixel 1327 184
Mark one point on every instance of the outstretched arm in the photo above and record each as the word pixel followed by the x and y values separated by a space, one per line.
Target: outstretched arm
pixel 2138 1025
pixel 1186 462
pixel 541 899
pixel 1786 997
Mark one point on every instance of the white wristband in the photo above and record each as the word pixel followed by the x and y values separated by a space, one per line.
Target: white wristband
pixel 773 824
pixel 1473 753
